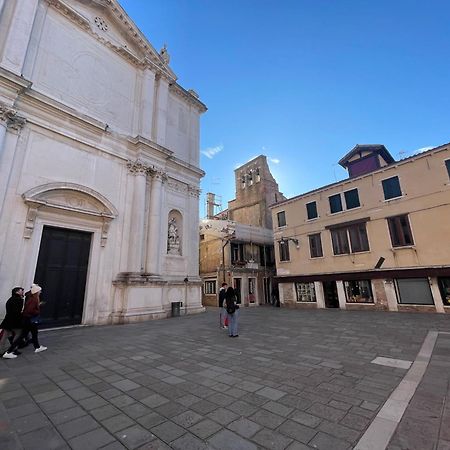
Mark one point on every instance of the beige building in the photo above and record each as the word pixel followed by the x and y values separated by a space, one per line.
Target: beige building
pixel 377 240
pixel 236 246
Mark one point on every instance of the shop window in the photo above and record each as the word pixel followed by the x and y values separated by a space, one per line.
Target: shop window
pixel 391 188
pixel 210 287
pixel 311 210
pixel 444 286
pixel 350 239
pixel 414 291
pixel 315 245
pixel 306 292
pixel 252 290
pixel 400 231
pixel 281 217
pixel 283 247
pixel 358 291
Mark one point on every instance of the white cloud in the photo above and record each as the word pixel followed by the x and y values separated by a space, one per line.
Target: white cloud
pixel 210 152
pixel 274 160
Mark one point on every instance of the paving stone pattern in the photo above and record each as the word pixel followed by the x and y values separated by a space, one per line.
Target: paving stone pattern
pixel 292 380
pixel 425 424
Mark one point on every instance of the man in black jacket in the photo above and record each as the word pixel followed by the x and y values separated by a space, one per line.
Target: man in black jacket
pixel 13 319
pixel 222 308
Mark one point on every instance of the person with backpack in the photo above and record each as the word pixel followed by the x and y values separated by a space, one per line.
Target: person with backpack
pixel 232 312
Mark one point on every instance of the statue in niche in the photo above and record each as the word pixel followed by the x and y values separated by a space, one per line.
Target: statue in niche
pixel 173 239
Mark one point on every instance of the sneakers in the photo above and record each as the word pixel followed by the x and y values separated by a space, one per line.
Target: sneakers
pixel 9 355
pixel 40 349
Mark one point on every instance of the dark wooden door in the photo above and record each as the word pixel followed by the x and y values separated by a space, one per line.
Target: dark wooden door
pixel 331 294
pixel 61 271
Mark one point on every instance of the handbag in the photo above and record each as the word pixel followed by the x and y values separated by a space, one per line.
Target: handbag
pixel 231 309
pixel 36 320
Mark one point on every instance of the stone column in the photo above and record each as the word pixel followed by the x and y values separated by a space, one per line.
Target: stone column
pixel 10 127
pixel 148 97
pixel 154 229
pixel 139 171
pixel 320 296
pixel 19 34
pixel 437 297
pixel 341 294
pixel 391 295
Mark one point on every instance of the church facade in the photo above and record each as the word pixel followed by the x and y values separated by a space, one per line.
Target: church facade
pixel 99 165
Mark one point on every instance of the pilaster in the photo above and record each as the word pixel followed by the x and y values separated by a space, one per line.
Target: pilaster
pixel 19 33
pixel 153 265
pixel 139 171
pixel 148 97
pixel 341 294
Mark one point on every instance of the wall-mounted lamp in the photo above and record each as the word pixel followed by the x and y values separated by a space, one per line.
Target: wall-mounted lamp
pixel 284 240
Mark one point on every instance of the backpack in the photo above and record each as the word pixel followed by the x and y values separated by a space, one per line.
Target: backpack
pixel 231 309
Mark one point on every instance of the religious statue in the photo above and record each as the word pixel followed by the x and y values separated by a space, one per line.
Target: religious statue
pixel 165 54
pixel 173 239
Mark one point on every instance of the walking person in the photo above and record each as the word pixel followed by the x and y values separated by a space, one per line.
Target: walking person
pixel 12 323
pixel 222 308
pixel 232 312
pixel 31 312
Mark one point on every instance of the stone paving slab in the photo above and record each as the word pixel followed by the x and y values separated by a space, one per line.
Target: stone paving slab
pixel 292 380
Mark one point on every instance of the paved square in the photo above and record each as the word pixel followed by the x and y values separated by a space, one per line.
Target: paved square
pixel 292 380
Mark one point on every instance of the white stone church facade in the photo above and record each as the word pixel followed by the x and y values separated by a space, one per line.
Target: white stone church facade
pixel 99 165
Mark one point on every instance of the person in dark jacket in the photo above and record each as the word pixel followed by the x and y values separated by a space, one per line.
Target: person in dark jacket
pixel 12 322
pixel 30 322
pixel 232 312
pixel 222 309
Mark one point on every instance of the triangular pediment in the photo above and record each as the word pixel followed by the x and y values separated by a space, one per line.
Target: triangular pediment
pixel 111 25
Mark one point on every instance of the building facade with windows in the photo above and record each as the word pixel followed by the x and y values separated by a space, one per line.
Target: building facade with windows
pixel 377 240
pixel 236 246
pixel 99 165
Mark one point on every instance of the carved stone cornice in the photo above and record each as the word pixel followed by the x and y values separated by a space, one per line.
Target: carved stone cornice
pixel 176 186
pixel 192 99
pixel 138 167
pixel 9 116
pixel 194 191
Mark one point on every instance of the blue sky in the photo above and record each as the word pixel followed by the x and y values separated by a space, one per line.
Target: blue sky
pixel 303 81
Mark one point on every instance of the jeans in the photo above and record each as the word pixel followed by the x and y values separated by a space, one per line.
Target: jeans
pixel 28 327
pixel 222 316
pixel 233 323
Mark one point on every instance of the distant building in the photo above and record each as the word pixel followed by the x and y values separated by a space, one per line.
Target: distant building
pixel 236 246
pixel 377 240
pixel 99 165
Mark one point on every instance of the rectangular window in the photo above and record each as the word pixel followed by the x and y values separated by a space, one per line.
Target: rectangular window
pixel 447 164
pixel 339 239
pixel 210 287
pixel 237 253
pixel 311 210
pixel 414 291
pixel 306 292
pixel 350 239
pixel 335 203
pixel 281 216
pixel 352 199
pixel 358 238
pixel 444 286
pixel 315 245
pixel 284 250
pixel 358 291
pixel 400 231
pixel 391 188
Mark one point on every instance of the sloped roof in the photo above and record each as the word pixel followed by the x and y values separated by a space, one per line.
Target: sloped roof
pixel 374 148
